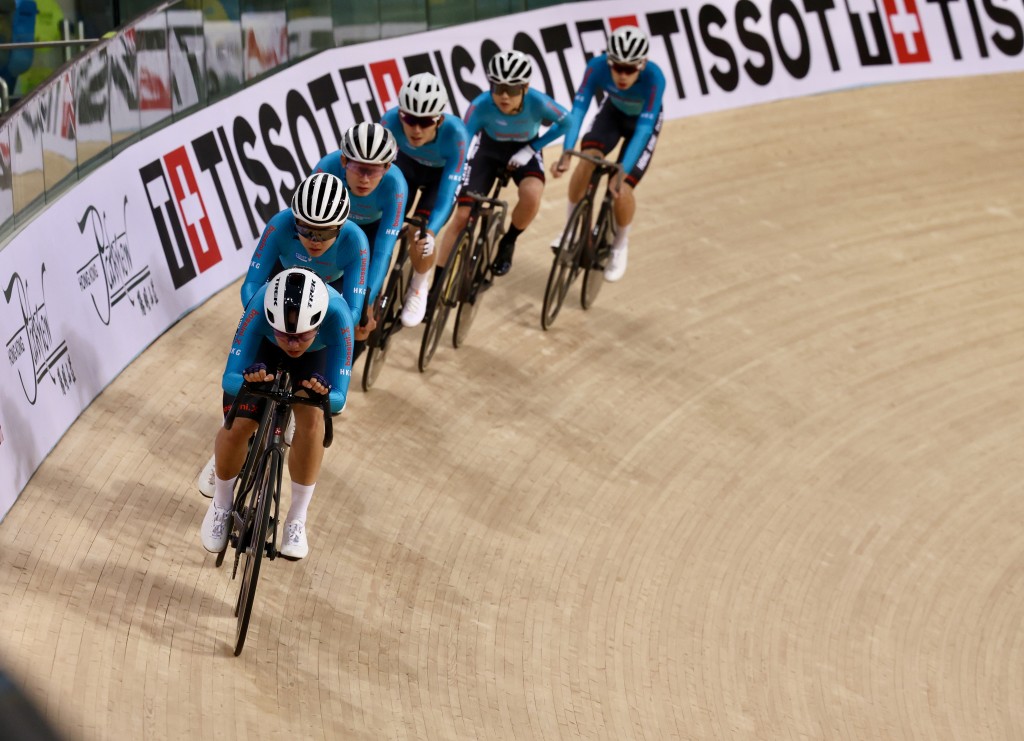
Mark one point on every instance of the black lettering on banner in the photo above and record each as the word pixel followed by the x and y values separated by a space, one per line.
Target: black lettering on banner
pixel 860 38
pixel 442 73
pixel 362 110
pixel 270 123
pixel 556 41
pixel 226 146
pixel 729 78
pixel 297 109
pixel 525 43
pixel 208 156
pixel 258 175
pixel 753 41
pixel 694 53
pixel 324 95
pixel 488 48
pixel 590 27
pixel 462 60
pixel 979 33
pixel 165 217
pixel 818 8
pixel 663 24
pixel 798 66
pixel 947 21
pixel 1012 46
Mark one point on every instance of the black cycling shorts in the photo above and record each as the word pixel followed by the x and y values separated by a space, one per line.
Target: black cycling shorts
pixel 609 126
pixel 487 157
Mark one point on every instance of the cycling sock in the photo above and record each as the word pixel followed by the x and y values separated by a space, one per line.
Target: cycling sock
pixel 301 494
pixel 223 491
pixel 419 280
pixel 512 234
pixel 621 236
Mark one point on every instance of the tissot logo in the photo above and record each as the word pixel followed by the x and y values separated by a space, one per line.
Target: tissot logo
pixel 33 350
pixel 110 275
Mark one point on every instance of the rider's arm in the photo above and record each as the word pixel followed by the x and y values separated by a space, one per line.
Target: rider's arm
pixel 246 342
pixel 552 114
pixel 648 117
pixel 337 334
pixel 394 193
pixel 354 262
pixel 453 145
pixel 476 116
pixel 581 102
pixel 331 163
pixel 267 253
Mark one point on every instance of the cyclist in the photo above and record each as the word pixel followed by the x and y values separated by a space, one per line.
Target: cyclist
pixel 378 194
pixel 300 324
pixel 506 121
pixel 431 155
pixel 631 110
pixel 313 233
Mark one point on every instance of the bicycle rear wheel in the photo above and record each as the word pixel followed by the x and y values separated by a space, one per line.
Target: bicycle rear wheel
pixel 380 338
pixel 437 315
pixel 268 484
pixel 566 264
pixel 595 262
pixel 476 273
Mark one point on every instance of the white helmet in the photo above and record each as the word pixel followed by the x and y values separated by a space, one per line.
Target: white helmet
pixel 296 301
pixel 510 68
pixel 422 95
pixel 370 143
pixel 628 45
pixel 321 201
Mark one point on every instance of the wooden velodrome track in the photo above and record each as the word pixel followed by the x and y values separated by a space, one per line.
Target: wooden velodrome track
pixel 768 488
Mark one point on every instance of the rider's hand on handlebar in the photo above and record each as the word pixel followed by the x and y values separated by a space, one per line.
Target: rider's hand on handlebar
pixel 561 166
pixel 426 244
pixel 257 374
pixel 317 384
pixel 363 330
pixel 615 182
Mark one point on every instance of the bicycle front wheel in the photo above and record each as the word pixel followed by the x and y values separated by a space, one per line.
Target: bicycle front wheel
pixel 447 297
pixel 267 485
pixel 380 339
pixel 566 264
pixel 476 272
pixel 595 262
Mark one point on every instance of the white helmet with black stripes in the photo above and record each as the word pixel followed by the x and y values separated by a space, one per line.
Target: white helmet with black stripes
pixel 321 201
pixel 422 95
pixel 510 68
pixel 628 45
pixel 370 143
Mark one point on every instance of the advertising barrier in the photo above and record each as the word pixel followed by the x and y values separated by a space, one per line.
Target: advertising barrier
pixel 172 219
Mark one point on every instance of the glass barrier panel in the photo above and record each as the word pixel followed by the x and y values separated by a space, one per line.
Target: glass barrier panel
pixel 402 17
pixel 125 121
pixel 6 189
pixel 441 13
pixel 224 57
pixel 310 28
pixel 495 8
pixel 186 51
pixel 92 105
pixel 265 34
pixel 57 114
pixel 356 22
pixel 27 158
pixel 154 69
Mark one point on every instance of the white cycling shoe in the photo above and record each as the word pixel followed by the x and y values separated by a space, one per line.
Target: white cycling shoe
pixel 415 307
pixel 214 532
pixel 205 483
pixel 616 267
pixel 295 545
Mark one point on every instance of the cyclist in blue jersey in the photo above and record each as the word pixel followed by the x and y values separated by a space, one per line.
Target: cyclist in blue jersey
pixel 505 122
pixel 631 110
pixel 314 233
pixel 296 321
pixel 431 155
pixel 378 195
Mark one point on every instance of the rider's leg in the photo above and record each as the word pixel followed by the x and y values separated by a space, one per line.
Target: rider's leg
pixel 624 208
pixel 304 460
pixel 530 191
pixel 451 231
pixel 229 450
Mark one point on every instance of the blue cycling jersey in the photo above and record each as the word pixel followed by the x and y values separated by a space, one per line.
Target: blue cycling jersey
pixel 537 110
pixel 334 338
pixel 386 204
pixel 348 258
pixel 642 99
pixel 447 152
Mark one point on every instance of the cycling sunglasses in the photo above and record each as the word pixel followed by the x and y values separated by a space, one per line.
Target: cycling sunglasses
pixel 317 235
pixel 420 122
pixel 501 88
pixel 365 169
pixel 299 337
pixel 624 69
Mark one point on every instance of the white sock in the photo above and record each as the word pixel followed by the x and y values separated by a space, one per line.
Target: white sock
pixel 223 491
pixel 419 281
pixel 568 209
pixel 301 494
pixel 621 235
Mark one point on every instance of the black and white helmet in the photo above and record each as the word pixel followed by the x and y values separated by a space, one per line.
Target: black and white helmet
pixel 628 45
pixel 422 95
pixel 321 201
pixel 510 68
pixel 296 301
pixel 369 142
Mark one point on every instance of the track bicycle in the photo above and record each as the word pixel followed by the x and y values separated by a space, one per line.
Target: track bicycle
pixel 387 308
pixel 585 245
pixel 257 496
pixel 484 229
